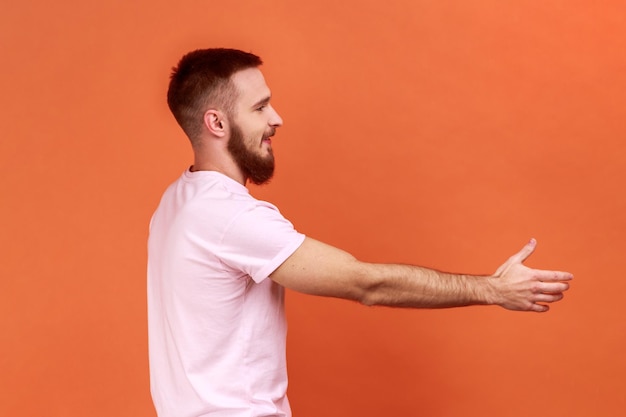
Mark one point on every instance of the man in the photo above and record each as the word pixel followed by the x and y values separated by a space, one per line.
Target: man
pixel 219 259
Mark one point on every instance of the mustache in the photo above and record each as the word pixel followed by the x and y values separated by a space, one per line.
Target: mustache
pixel 269 133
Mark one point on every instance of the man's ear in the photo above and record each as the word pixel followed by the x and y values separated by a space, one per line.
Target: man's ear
pixel 215 122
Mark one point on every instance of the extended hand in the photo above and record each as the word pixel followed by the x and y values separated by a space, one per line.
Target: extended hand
pixel 520 288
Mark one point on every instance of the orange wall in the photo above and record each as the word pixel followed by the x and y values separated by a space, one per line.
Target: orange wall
pixel 441 133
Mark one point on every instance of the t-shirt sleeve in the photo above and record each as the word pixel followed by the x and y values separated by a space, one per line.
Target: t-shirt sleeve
pixel 258 240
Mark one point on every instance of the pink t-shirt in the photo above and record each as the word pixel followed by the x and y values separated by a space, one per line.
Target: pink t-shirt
pixel 216 323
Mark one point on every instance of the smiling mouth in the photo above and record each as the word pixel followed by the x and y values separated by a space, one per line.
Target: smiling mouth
pixel 267 138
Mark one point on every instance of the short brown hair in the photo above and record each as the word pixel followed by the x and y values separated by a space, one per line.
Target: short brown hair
pixel 202 78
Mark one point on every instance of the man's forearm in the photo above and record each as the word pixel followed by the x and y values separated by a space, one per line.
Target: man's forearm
pixel 418 287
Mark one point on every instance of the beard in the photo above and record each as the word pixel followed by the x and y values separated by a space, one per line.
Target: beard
pixel 258 169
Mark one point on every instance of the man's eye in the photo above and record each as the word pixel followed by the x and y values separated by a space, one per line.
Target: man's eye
pixel 261 108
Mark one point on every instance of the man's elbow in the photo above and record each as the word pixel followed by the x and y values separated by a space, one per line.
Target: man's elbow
pixel 368 286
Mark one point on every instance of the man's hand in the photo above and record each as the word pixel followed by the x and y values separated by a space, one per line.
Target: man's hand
pixel 520 288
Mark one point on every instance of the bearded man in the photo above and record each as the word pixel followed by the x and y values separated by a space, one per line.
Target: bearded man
pixel 219 260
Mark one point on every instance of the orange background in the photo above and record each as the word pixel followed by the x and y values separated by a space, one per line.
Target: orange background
pixel 443 133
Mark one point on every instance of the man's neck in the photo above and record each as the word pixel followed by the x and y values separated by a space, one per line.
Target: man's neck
pixel 232 172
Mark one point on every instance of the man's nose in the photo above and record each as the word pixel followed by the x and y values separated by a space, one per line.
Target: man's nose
pixel 275 120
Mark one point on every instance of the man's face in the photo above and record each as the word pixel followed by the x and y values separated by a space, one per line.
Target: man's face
pixel 253 124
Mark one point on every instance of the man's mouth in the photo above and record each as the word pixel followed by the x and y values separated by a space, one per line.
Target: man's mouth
pixel 267 138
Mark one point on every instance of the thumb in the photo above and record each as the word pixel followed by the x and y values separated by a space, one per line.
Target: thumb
pixel 519 257
pixel 526 251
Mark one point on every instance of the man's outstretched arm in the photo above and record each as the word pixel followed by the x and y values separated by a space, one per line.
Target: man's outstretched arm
pixel 319 269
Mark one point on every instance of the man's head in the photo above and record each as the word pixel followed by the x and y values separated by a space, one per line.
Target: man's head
pixel 218 94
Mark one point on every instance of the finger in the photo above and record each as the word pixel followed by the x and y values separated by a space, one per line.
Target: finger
pixel 539 308
pixel 552 276
pixel 519 257
pixel 526 251
pixel 552 287
pixel 548 298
